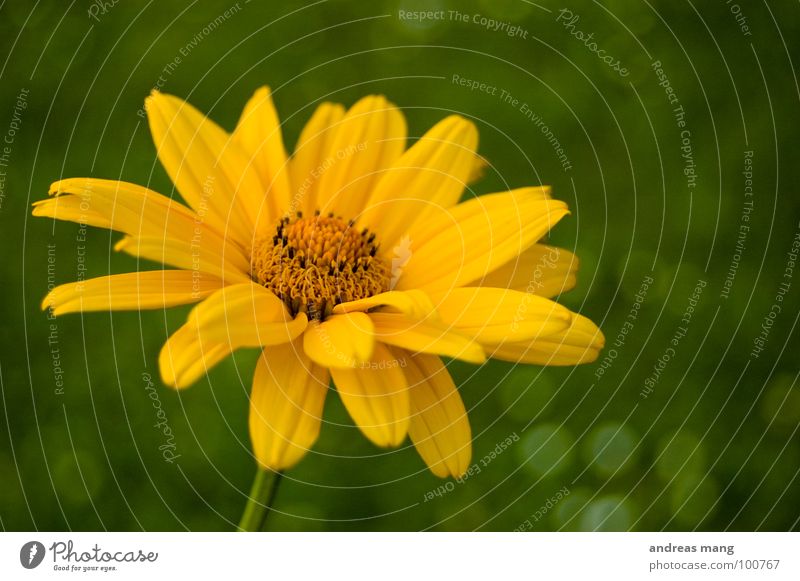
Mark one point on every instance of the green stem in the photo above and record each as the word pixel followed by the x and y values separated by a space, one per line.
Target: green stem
pixel 262 495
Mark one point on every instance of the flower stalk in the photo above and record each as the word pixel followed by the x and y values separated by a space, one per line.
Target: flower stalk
pixel 259 504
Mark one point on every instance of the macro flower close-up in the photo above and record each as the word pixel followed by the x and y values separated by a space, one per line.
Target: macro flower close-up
pixel 510 272
pixel 352 261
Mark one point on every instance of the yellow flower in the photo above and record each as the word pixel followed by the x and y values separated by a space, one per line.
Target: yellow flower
pixel 351 260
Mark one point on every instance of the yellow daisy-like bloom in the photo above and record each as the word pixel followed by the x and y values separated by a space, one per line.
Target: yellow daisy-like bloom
pixel 350 260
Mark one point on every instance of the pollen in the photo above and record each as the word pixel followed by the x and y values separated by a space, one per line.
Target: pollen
pixel 314 263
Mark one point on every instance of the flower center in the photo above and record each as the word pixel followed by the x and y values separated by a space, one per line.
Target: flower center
pixel 315 263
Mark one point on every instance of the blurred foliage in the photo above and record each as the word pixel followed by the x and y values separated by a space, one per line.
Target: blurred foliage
pixel 714 446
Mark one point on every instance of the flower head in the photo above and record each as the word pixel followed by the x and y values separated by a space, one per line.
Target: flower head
pixel 351 260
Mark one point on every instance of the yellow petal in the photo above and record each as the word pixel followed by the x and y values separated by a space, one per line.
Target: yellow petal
pixel 580 343
pixel 543 270
pixel 430 175
pixel 310 155
pixel 493 315
pixel 134 210
pixel 258 134
pixel 186 255
pixel 414 303
pixel 439 426
pixel 423 231
pixel 369 139
pixel 72 209
pixel 189 354
pixel 237 316
pixel 376 396
pixel 208 169
pixel 247 315
pixel 152 289
pixel 425 336
pixel 477 236
pixel 129 208
pixel 286 405
pixel 340 341
pixel 184 358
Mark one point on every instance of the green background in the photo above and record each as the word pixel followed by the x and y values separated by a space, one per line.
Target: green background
pixel 714 446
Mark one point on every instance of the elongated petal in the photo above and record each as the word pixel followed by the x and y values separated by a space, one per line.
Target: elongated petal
pixel 376 396
pixel 311 155
pixel 71 209
pixel 247 315
pixel 476 237
pixel 258 134
pixel 414 303
pixel 439 426
pixel 493 315
pixel 237 316
pixel 184 358
pixel 580 343
pixel 543 270
pixel 153 289
pixel 286 405
pixel 136 211
pixel 368 140
pixel 187 356
pixel 208 169
pixel 425 336
pixel 187 255
pixel 341 341
pixel 423 231
pixel 430 175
